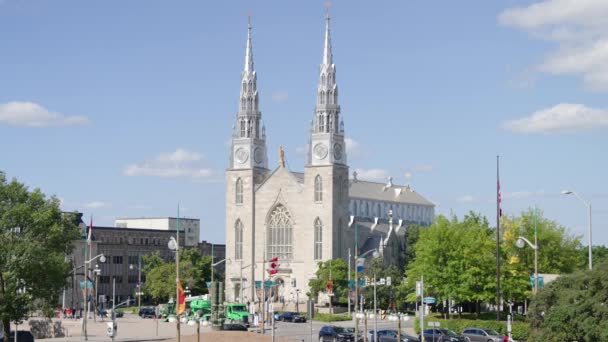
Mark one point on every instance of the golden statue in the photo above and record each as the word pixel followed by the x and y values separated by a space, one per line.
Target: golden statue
pixel 281 156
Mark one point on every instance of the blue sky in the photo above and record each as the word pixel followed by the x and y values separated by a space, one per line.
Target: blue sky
pixel 125 108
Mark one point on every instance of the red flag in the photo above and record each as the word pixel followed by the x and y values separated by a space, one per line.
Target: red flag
pixel 90 236
pixel 181 300
pixel 275 259
pixel 499 200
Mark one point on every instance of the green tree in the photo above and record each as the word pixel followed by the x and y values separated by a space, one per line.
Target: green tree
pixel 385 294
pixel 456 259
pixel 572 308
pixel 558 252
pixel 412 234
pixel 337 269
pixel 35 237
pixel 194 272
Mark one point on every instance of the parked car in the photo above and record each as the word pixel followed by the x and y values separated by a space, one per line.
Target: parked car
pixel 235 327
pixel 147 313
pixel 289 316
pixel 482 335
pixel 22 336
pixel 390 336
pixel 337 334
pixel 442 335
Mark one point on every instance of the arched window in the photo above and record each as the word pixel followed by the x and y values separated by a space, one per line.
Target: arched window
pixel 238 240
pixel 318 189
pixel 243 125
pixel 322 98
pixel 244 87
pixel 318 239
pixel 321 123
pixel 279 234
pixel 239 191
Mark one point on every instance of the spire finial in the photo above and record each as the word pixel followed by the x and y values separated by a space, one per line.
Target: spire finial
pixel 327 56
pixel 281 156
pixel 248 51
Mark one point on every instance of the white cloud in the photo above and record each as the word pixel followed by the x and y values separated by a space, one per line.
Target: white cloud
pixel 419 168
pixel 181 163
pixel 564 117
pixel 376 175
pixel 30 114
pixel 279 96
pixel 354 148
pixel 466 199
pixel 97 205
pixel 580 29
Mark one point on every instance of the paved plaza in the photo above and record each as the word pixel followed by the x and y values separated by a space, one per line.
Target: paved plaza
pixel 133 328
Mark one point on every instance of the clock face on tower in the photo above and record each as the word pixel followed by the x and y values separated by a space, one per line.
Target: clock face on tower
pixel 320 151
pixel 337 151
pixel 258 155
pixel 241 155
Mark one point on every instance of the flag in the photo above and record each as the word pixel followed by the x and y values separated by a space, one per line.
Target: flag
pixel 360 263
pixel 499 200
pixel 89 237
pixel 181 300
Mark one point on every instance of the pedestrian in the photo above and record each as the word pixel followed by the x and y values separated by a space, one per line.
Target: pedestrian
pixel 80 313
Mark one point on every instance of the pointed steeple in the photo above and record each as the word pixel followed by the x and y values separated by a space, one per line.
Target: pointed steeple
pixel 327 56
pixel 248 50
pixel 328 130
pixel 249 136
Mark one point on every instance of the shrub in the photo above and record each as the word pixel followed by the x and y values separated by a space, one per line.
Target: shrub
pixel 332 317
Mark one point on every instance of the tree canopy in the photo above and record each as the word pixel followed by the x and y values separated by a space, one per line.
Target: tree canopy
pixel 338 269
pixel 35 237
pixel 572 308
pixel 194 272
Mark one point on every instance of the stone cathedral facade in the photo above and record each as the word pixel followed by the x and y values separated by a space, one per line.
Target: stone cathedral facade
pixel 304 217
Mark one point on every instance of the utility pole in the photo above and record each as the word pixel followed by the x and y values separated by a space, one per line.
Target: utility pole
pixel 349 281
pixel 375 311
pixel 139 285
pixel 177 278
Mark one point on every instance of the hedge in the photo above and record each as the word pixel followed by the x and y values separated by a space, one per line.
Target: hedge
pixel 332 317
pixel 519 330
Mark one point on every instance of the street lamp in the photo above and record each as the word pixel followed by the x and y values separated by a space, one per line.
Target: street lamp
pixel 102 258
pixel 173 245
pixel 520 243
pixel 97 272
pixel 375 254
pixel 139 292
pixel 588 205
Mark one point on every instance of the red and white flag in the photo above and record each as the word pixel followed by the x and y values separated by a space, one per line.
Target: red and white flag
pixel 499 200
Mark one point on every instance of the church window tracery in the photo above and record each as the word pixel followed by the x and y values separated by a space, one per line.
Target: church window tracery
pixel 318 239
pixel 279 234
pixel 318 189
pixel 239 191
pixel 238 237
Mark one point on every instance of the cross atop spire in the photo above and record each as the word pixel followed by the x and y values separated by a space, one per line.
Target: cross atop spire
pixel 248 50
pixel 327 55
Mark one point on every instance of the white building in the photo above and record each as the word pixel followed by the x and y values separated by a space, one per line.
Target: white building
pixel 189 226
pixel 304 217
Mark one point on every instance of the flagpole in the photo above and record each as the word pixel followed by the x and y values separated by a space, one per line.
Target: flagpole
pixel 177 278
pixel 498 214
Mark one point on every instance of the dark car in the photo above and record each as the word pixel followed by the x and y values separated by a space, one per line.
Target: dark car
pixel 289 316
pixel 337 334
pixel 442 335
pixel 147 313
pixel 390 336
pixel 482 335
pixel 235 327
pixel 22 336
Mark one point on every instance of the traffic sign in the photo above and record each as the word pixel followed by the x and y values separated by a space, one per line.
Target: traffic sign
pixel 418 288
pixel 429 300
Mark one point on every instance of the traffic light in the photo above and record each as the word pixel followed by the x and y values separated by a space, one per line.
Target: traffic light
pixel 273 265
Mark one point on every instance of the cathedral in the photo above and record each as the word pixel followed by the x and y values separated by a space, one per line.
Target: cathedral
pixel 303 218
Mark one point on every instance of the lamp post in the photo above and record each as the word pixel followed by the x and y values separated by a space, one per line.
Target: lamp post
pixel 139 292
pixel 97 272
pixel 588 205
pixel 174 245
pixel 399 317
pixel 520 243
pixel 298 300
pixel 375 254
pixel 241 279
pixel 102 258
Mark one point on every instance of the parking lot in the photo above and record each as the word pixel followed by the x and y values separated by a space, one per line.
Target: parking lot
pixel 133 328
